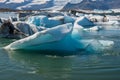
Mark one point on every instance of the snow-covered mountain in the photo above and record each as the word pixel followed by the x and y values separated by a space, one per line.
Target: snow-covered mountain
pixel 59 4
pixel 94 4
pixel 35 4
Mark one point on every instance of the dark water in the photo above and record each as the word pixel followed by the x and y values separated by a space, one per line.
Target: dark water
pixel 30 65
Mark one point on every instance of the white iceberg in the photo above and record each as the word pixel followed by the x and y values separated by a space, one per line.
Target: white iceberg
pixel 107 23
pixel 94 28
pixel 110 25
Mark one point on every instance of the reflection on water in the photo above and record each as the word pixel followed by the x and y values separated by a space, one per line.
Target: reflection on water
pixel 5 42
pixel 69 67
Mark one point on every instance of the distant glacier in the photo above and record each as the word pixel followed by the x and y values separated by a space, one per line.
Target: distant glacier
pixel 35 4
pixel 60 4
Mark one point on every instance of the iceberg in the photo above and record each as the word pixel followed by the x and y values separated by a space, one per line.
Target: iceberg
pixel 59 38
pixel 108 23
pixel 38 20
pixel 94 28
pixel 54 21
pixel 68 19
pixel 49 22
pixel 50 39
pixel 26 28
pixel 85 22
pixel 59 20
pixel 45 21
pixel 91 45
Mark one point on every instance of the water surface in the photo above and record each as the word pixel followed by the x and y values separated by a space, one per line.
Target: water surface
pixel 32 65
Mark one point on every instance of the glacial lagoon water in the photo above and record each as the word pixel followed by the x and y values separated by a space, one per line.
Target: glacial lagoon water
pixel 31 65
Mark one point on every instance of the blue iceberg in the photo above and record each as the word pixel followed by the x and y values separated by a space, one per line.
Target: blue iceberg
pixel 45 21
pixel 38 20
pixel 85 22
pixel 59 38
pixel 68 19
pixel 49 22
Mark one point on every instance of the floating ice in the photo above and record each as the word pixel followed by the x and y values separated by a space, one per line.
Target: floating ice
pixel 28 29
pixel 85 22
pixel 93 45
pixel 109 23
pixel 50 37
pixel 78 25
pixel 68 19
pixel 90 44
pixel 59 38
pixel 94 28
pixel 54 21
pixel 38 20
pixel 49 22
